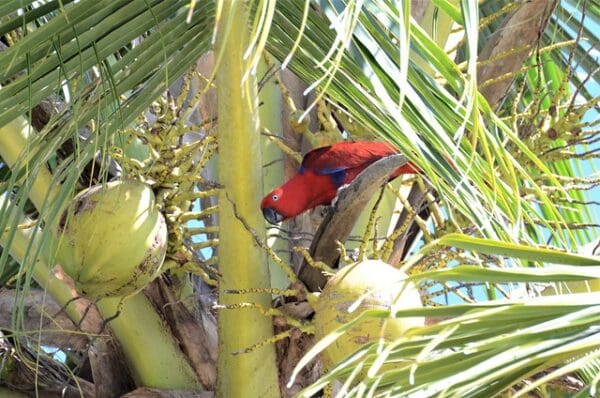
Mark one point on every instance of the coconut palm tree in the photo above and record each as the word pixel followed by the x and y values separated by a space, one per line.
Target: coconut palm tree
pixel 182 103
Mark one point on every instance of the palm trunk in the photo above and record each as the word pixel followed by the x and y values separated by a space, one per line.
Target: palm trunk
pixel 243 265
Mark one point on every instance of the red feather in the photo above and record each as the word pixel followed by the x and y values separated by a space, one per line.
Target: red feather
pixel 322 172
pixel 350 156
pixel 347 155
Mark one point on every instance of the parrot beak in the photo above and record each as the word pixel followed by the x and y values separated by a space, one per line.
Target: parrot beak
pixel 271 215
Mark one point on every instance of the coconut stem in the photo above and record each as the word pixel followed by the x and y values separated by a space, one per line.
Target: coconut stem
pixel 14 148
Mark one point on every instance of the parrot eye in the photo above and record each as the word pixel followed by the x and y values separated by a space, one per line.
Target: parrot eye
pixel 275 197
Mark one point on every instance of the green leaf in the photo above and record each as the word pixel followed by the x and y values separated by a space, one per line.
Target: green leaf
pixel 471 273
pixel 499 248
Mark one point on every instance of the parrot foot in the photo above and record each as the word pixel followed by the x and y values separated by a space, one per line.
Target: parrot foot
pixel 340 189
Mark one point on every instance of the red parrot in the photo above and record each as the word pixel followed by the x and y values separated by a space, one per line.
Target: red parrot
pixel 322 172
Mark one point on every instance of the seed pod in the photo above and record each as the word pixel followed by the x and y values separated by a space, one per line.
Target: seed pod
pixel 552 133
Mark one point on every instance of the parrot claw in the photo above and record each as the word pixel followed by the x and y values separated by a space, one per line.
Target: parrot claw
pixel 334 201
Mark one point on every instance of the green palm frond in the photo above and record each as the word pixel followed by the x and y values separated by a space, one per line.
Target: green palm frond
pixel 481 351
pixel 504 191
pixel 433 122
pixel 427 121
pixel 111 59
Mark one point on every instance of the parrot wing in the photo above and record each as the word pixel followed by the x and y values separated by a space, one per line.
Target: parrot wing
pixel 336 159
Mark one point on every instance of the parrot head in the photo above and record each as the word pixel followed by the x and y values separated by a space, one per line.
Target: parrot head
pixel 303 192
pixel 271 209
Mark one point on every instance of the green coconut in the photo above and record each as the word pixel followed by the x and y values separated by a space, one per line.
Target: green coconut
pixel 112 239
pixel 379 286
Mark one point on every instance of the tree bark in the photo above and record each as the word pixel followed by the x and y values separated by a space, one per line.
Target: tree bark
pixel 28 371
pixel 192 337
pixel 507 49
